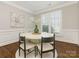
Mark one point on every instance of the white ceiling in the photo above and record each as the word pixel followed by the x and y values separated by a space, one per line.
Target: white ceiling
pixel 37 6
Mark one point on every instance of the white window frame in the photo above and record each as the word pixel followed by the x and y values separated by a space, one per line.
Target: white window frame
pixel 51 24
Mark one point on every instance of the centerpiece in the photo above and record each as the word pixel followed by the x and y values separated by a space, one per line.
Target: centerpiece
pixel 36 30
pixel 36 33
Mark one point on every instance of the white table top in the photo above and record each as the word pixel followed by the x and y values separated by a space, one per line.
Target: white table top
pixel 36 36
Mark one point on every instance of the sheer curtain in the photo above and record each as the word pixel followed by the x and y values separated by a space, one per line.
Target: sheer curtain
pixel 51 22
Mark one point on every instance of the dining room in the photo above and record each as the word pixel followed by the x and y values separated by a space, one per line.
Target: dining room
pixel 39 29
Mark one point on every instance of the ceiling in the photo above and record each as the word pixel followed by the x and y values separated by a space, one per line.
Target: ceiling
pixel 36 6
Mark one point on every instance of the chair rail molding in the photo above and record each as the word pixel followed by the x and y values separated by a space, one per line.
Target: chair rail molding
pixel 10 30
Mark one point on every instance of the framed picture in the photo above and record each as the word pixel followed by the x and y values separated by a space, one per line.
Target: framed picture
pixel 17 20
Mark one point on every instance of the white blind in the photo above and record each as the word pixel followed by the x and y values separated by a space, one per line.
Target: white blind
pixel 51 22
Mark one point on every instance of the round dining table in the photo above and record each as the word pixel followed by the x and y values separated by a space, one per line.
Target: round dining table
pixel 35 37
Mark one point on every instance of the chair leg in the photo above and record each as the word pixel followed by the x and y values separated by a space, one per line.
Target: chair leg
pixel 35 51
pixel 19 51
pixel 24 53
pixel 41 55
pixel 54 53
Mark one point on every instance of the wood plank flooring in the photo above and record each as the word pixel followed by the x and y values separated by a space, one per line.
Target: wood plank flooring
pixel 8 51
pixel 65 50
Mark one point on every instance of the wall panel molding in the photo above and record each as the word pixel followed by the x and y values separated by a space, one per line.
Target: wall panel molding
pixel 9 36
pixel 71 35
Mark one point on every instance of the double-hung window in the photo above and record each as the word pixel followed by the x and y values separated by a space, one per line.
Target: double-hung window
pixel 51 22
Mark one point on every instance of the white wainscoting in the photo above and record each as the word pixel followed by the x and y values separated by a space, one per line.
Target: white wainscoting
pixel 70 36
pixel 9 36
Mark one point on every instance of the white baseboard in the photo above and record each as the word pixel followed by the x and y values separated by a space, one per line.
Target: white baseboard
pixel 8 42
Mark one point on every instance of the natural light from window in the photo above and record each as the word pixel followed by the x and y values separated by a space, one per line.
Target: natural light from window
pixel 51 22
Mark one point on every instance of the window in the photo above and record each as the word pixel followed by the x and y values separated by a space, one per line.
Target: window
pixel 51 22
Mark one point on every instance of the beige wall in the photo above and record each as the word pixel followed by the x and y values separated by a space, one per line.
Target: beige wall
pixel 70 24
pixel 70 17
pixel 78 22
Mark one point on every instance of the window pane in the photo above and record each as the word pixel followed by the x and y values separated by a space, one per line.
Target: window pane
pixel 51 22
pixel 55 21
pixel 45 28
pixel 52 29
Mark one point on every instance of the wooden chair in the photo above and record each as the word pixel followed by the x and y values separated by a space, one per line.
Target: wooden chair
pixel 24 45
pixel 45 45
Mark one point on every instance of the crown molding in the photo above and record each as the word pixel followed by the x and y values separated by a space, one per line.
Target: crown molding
pixel 53 8
pixel 19 7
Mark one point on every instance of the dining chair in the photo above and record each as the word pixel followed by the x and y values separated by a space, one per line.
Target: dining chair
pixel 25 45
pixel 45 45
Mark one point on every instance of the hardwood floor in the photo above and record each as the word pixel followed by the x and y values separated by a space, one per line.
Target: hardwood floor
pixel 65 50
pixel 9 51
